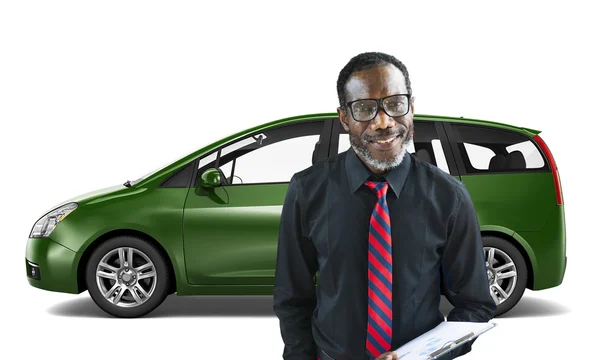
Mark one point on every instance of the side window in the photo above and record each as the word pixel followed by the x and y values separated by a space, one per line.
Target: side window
pixel 533 158
pixel 426 144
pixel 271 156
pixel 479 156
pixel 440 156
pixel 484 149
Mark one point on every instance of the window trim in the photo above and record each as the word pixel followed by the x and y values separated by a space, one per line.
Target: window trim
pixel 448 126
pixel 164 183
pixel 323 138
pixel 450 158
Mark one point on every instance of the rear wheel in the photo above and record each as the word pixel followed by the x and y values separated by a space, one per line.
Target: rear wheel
pixel 127 277
pixel 507 272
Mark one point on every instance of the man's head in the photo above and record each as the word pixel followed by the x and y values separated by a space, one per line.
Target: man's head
pixel 376 76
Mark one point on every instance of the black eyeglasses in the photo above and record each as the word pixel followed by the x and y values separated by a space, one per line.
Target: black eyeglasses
pixel 366 109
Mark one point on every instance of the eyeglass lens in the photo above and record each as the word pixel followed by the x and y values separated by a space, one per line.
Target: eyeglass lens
pixel 396 105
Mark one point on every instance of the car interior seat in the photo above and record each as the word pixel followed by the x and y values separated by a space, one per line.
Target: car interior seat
pixel 515 160
pixel 424 155
pixel 497 163
pixel 316 152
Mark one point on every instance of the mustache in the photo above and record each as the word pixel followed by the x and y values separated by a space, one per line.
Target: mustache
pixel 386 134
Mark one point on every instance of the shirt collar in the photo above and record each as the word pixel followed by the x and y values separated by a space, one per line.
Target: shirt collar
pixel 357 172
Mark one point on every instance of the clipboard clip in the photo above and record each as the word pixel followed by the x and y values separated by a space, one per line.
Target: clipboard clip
pixel 452 344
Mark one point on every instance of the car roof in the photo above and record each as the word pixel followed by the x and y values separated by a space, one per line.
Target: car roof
pixel 526 131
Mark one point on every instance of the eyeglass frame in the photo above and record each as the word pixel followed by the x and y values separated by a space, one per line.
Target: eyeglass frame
pixel 379 106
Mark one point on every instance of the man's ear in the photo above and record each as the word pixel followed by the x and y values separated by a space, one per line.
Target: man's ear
pixel 412 104
pixel 343 120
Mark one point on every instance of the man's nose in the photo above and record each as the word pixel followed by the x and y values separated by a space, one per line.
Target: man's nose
pixel 382 120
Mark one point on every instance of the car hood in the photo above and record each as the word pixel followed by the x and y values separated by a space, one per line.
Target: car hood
pixel 99 195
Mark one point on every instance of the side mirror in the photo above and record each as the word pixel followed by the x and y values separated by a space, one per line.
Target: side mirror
pixel 210 178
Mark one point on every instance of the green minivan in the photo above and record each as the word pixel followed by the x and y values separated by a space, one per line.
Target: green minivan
pixel 208 223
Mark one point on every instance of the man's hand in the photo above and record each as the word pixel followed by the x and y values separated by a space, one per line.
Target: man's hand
pixel 390 355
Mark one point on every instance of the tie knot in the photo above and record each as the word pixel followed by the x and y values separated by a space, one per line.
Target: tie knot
pixel 380 187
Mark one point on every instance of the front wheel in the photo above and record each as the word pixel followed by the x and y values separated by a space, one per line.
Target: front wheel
pixel 506 271
pixel 127 277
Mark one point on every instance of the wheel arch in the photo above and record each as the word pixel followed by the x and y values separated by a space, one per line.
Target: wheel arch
pixel 81 285
pixel 519 245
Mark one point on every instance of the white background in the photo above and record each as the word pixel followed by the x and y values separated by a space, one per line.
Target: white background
pixel 95 93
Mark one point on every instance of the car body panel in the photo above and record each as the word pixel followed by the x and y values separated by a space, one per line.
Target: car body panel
pixel 230 235
pixel 133 210
pixel 521 202
pixel 549 245
pixel 507 233
pixel 57 265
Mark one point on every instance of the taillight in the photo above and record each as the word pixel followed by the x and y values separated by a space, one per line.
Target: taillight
pixel 546 150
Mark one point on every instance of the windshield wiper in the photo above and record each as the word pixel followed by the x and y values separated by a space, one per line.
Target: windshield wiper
pixel 127 183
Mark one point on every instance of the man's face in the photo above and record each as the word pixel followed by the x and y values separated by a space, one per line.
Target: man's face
pixel 377 83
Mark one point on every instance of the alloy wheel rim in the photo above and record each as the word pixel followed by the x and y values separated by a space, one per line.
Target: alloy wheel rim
pixel 126 277
pixel 501 272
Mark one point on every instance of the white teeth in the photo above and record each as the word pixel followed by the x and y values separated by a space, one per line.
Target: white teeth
pixel 385 141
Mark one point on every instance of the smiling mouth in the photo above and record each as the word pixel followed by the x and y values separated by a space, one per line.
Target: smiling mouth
pixel 384 141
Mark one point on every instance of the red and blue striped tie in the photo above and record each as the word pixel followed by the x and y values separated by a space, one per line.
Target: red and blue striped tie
pixel 379 325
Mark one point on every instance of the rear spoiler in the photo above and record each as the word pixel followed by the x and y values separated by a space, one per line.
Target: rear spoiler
pixel 533 131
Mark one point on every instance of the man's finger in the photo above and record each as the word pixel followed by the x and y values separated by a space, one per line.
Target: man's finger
pixel 389 355
pixel 392 355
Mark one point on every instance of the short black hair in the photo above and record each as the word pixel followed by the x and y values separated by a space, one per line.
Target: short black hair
pixel 364 61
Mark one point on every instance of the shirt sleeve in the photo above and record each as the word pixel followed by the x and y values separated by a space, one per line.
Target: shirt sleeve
pixel 463 268
pixel 294 294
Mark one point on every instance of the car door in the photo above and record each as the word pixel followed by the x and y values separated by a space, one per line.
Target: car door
pixel 505 174
pixel 429 143
pixel 231 231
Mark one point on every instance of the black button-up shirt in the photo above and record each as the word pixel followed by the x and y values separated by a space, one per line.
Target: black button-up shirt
pixel 324 228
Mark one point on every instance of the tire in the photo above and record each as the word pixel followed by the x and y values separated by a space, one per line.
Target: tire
pixel 133 293
pixel 506 291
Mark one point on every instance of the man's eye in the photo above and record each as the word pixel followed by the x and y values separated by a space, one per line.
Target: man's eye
pixel 364 107
pixel 397 103
pixel 396 106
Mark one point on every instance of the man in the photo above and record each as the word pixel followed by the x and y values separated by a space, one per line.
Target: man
pixel 382 228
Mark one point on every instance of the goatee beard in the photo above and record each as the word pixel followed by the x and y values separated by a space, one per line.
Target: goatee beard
pixel 360 147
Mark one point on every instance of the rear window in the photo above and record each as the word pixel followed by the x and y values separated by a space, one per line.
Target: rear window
pixel 484 150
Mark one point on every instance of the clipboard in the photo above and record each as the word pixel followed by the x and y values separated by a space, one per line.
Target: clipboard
pixel 452 334
pixel 458 342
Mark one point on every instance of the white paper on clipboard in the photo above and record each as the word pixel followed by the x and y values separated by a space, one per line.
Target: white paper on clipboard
pixel 445 333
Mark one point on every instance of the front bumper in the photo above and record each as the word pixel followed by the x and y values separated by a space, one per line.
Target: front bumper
pixel 51 266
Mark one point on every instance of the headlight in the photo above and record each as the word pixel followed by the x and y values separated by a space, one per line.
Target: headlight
pixel 44 226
